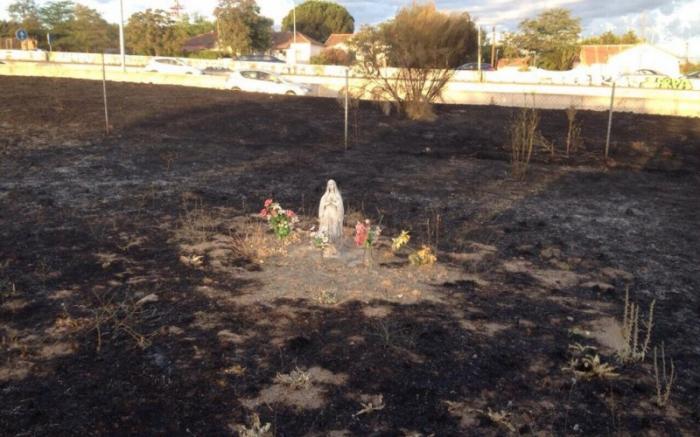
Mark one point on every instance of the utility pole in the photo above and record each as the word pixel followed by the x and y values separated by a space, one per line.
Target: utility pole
pixel 121 34
pixel 294 14
pixel 293 47
pixel 493 48
pixel 478 56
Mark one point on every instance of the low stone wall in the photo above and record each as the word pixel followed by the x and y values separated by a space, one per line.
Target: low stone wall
pixel 327 81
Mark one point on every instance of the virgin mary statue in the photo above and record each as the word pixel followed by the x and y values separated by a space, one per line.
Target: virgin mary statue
pixel 331 213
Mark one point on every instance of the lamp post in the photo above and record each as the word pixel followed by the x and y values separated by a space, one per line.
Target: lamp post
pixel 294 34
pixel 121 34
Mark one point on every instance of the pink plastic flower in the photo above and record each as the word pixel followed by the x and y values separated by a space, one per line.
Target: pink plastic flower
pixel 263 213
pixel 291 213
pixel 361 232
pixel 268 202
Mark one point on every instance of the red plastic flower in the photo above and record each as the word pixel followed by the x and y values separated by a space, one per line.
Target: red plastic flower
pixel 361 233
pixel 268 202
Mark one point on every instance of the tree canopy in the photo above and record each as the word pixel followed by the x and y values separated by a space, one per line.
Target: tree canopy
pixel 552 36
pixel 241 28
pixel 86 31
pixel 319 19
pixel 424 45
pixel 154 33
pixel 629 37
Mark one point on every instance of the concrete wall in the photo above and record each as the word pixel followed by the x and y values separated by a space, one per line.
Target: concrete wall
pixel 327 81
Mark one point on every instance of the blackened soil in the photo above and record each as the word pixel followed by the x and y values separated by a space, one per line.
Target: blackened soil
pixel 90 222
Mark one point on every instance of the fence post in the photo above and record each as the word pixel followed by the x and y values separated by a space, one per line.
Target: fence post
pixel 347 102
pixel 104 93
pixel 610 116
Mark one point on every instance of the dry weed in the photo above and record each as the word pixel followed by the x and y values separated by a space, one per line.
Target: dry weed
pixel 327 297
pixel 423 257
pixel 196 223
pixel 631 349
pixel 574 140
pixel 115 318
pixel 420 110
pixel 256 244
pixel 257 429
pixel 297 379
pixel 499 418
pixel 523 135
pixel 376 404
pixel 664 378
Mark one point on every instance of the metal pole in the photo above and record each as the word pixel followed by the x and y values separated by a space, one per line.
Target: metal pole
pixel 610 116
pixel 121 34
pixel 104 93
pixel 347 94
pixel 478 59
pixel 294 34
pixel 493 48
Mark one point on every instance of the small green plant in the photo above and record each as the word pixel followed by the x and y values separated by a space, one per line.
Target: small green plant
pixel 586 364
pixel 422 257
pixel 632 350
pixel 664 378
pixel 400 241
pixel 281 221
pixel 320 240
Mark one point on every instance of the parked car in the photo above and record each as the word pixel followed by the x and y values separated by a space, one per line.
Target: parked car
pixel 637 79
pixel 264 82
pixel 694 79
pixel 258 58
pixel 474 66
pixel 169 65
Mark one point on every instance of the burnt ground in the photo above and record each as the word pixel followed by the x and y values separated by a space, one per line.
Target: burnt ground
pixel 90 224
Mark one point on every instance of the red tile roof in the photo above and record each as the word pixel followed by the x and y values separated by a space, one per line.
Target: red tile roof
pixel 600 54
pixel 337 38
pixel 205 41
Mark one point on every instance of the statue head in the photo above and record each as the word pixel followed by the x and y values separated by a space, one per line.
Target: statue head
pixel 331 187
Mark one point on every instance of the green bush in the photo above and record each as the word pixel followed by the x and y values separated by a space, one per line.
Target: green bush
pixel 333 57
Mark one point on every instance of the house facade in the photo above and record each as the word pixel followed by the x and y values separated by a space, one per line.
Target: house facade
pixel 616 59
pixel 339 41
pixel 297 50
pixel 284 46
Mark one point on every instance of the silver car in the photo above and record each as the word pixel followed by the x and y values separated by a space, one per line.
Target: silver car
pixel 170 65
pixel 263 82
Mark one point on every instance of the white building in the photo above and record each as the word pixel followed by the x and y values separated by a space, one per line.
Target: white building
pixel 299 52
pixel 615 59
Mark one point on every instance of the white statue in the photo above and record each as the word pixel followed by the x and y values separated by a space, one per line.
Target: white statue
pixel 331 213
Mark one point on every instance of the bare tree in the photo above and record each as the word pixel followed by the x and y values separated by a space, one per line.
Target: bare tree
pixel 423 46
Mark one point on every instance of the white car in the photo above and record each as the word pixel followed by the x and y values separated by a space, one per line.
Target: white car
pixel 169 65
pixel 643 78
pixel 263 82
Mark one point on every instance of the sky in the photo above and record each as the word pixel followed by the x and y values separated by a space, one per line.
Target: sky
pixel 669 23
